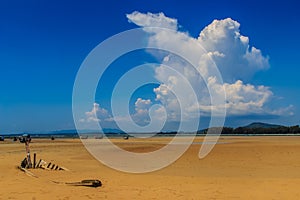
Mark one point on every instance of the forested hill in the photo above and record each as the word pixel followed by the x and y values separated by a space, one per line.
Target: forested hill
pixel 258 128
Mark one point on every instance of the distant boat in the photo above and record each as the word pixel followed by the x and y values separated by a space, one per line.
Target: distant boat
pixel 25 137
pixel 126 137
pixel 84 137
pixel 99 136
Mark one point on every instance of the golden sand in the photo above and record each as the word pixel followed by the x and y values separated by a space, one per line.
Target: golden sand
pixel 239 168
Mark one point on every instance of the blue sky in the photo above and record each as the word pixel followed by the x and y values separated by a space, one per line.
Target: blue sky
pixel 43 43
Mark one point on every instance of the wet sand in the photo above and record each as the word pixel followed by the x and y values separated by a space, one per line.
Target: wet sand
pixel 257 167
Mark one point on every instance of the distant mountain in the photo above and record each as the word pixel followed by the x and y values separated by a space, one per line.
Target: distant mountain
pixel 63 132
pixel 74 131
pixel 112 130
pixel 262 125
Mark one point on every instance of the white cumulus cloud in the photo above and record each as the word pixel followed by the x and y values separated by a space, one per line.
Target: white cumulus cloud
pixel 223 43
pixel 223 37
pixel 219 44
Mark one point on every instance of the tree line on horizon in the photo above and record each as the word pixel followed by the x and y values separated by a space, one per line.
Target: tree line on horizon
pixel 254 130
pixel 246 130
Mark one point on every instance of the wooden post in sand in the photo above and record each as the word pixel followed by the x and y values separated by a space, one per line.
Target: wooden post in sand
pixel 27 141
pixel 34 160
pixel 38 164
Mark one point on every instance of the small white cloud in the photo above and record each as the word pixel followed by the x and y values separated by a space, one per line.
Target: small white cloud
pixel 96 114
pixel 152 20
pixel 142 104
pixel 141 115
pixel 246 98
pixel 288 111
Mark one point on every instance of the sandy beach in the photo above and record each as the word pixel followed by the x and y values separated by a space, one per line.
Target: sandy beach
pixel 257 167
